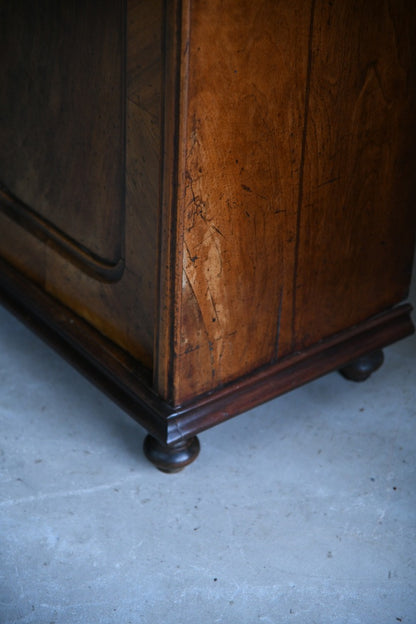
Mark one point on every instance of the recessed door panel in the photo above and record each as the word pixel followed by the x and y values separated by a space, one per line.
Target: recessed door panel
pixel 62 107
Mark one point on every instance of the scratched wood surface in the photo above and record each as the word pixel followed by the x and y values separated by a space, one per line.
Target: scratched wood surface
pixel 294 179
pixel 124 310
pixel 242 123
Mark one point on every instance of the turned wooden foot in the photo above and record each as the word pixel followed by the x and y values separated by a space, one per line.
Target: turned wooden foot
pixel 172 457
pixel 361 368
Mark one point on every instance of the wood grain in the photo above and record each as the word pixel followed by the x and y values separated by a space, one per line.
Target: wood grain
pixel 294 213
pixel 63 96
pixel 124 311
pixel 239 157
pixel 357 217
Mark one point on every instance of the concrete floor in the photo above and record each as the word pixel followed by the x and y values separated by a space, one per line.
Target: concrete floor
pixel 300 511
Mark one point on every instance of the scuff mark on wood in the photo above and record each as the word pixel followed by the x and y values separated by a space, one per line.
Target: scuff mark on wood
pixel 214 227
pixel 329 181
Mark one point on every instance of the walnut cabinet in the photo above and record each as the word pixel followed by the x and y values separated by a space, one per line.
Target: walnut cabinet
pixel 204 204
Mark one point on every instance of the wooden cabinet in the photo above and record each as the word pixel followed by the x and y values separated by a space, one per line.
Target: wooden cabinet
pixel 206 204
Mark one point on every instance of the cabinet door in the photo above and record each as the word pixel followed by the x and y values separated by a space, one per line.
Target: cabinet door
pixel 79 159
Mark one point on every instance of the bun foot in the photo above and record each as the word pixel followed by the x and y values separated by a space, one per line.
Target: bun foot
pixel 171 457
pixel 361 368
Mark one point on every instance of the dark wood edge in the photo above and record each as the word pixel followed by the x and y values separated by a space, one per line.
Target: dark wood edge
pixel 127 383
pixel 169 270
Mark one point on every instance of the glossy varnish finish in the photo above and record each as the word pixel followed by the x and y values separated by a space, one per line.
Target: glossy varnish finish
pixel 236 217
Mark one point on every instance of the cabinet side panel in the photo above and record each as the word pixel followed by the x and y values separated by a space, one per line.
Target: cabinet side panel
pixel 123 310
pixel 357 217
pixel 239 181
